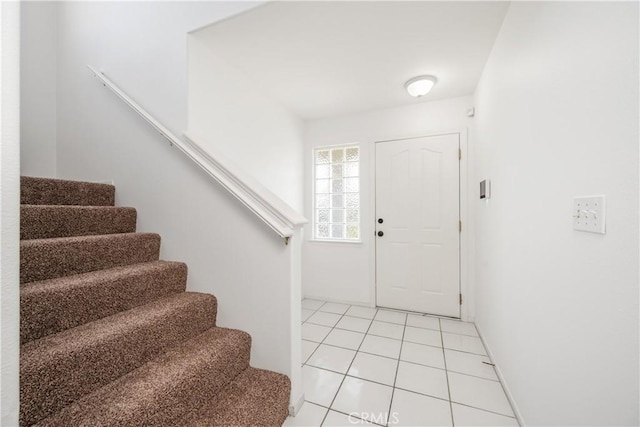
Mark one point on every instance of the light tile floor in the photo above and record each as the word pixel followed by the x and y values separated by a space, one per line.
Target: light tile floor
pixel 365 366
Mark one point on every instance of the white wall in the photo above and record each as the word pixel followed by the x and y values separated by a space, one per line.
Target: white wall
pixel 142 47
pixel 557 117
pixel 247 126
pixel 9 212
pixel 345 271
pixel 38 89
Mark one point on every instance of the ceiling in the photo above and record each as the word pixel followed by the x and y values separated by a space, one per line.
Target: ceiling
pixel 330 58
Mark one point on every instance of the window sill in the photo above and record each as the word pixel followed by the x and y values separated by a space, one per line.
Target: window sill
pixel 352 242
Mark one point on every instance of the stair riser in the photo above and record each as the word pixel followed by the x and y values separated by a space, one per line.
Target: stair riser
pixel 55 305
pixel 45 222
pixel 43 259
pixel 61 368
pixel 187 377
pixel 45 191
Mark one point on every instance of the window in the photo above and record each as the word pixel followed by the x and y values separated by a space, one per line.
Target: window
pixel 337 193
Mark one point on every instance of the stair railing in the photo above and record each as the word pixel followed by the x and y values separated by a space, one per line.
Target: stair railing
pixel 262 202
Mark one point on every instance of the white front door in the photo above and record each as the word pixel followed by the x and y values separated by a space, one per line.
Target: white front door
pixel 417 224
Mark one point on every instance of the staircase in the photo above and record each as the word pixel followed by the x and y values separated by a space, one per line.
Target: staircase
pixel 108 334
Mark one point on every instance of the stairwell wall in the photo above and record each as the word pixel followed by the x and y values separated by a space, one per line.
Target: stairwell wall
pixel 557 117
pixel 142 47
pixel 38 56
pixel 242 122
pixel 10 212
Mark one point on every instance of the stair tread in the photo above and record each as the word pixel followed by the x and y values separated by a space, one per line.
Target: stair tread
pixel 256 397
pixel 42 259
pixel 53 305
pixel 75 208
pixel 50 221
pixel 58 369
pixel 164 390
pixel 51 191
pixel 70 239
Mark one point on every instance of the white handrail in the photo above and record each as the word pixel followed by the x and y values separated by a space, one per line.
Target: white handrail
pixel 267 206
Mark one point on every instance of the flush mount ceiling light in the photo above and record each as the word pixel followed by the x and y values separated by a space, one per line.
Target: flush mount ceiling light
pixel 420 86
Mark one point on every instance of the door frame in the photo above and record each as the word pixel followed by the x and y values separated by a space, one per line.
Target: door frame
pixel 467 308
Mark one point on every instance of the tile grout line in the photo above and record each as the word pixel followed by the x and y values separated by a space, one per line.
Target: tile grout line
pixel 325 337
pixel 349 367
pixel 402 341
pixel 395 378
pixel 318 346
pixel 421 394
pixel 405 361
pixel 414 313
pixel 485 410
pixel 393 323
pixel 446 372
pixel 314 310
pixel 332 328
pixel 329 333
pixel 352 416
pixel 408 391
pixel 344 375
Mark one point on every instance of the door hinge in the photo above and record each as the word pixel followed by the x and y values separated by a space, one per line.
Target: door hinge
pixel 460 299
pixel 460 226
pixel 459 153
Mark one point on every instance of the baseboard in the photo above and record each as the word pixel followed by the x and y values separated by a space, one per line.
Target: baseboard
pixel 505 386
pixel 295 408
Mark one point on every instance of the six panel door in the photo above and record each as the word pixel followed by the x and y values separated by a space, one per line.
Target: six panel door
pixel 417 225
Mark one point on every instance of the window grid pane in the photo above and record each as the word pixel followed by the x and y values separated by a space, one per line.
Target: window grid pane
pixel 322 200
pixel 322 156
pixel 322 171
pixel 322 216
pixel 337 193
pixel 337 201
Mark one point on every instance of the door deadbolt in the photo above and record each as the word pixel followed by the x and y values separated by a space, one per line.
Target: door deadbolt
pixel 380 220
pixel 380 234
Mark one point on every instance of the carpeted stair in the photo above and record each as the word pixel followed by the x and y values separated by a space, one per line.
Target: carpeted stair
pixel 109 336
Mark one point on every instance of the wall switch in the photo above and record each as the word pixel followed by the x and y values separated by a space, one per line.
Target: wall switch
pixel 589 214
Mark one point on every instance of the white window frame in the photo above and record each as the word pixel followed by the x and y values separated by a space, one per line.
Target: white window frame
pixel 315 237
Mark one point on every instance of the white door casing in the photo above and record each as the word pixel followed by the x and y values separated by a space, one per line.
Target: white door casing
pixel 418 199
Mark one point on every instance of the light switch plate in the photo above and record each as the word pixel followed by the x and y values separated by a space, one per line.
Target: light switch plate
pixel 589 214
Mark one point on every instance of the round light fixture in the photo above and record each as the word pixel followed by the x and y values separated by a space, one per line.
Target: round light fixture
pixel 420 86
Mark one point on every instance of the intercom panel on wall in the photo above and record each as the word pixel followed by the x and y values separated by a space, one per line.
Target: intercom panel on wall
pixel 485 189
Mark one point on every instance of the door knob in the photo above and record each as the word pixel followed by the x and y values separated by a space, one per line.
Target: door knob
pixel 380 220
pixel 380 234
